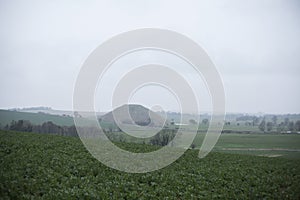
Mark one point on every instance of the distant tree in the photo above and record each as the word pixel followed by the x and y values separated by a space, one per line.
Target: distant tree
pixel 72 131
pixel 286 121
pixel 297 125
pixel 192 121
pixel 280 127
pixel 76 114
pixel 50 127
pixel 269 126
pixel 205 121
pixel 255 121
pixel 274 120
pixel 12 125
pixel 21 125
pixel 172 122
pixel 262 125
pixel 248 123
pixel 162 138
pixel 291 126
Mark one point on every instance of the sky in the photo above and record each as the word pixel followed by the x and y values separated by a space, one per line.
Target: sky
pixel 254 45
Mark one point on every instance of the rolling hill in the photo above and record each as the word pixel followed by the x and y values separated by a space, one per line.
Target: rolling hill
pixel 6 116
pixel 138 115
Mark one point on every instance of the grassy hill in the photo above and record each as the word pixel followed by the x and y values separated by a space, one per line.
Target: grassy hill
pixel 57 167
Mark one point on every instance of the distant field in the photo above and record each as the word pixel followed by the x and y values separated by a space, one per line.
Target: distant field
pixel 234 127
pixel 37 166
pixel 287 145
pixel 281 145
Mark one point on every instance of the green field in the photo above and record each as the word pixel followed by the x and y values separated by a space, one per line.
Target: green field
pixel 285 145
pixel 279 145
pixel 233 127
pixel 37 166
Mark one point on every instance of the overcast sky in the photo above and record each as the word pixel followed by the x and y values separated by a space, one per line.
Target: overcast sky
pixel 255 46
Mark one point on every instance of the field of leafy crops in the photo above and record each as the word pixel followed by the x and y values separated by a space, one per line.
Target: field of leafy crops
pixel 57 167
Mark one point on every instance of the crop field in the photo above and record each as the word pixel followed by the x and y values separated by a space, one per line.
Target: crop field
pixel 37 166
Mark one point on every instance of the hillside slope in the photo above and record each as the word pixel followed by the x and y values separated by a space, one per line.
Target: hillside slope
pixel 7 116
pixel 138 114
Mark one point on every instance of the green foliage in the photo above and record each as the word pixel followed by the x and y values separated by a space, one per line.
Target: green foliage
pixel 269 126
pixel 297 125
pixel 163 137
pixel 46 127
pixel 262 125
pixel 56 167
pixel 205 121
pixel 192 121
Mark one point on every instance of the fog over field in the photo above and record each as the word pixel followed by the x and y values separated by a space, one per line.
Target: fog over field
pixel 254 45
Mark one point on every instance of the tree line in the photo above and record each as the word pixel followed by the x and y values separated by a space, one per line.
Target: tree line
pixel 161 139
pixel 284 126
pixel 47 128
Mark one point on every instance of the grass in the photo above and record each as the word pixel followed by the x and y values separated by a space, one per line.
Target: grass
pixel 35 166
pixel 285 145
pixel 289 141
pixel 261 142
pixel 233 127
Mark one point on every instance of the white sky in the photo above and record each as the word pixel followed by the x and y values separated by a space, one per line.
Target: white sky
pixel 254 44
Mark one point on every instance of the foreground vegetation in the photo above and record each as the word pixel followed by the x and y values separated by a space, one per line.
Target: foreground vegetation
pixel 57 167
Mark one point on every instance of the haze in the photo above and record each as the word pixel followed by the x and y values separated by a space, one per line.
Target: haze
pixel 254 44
